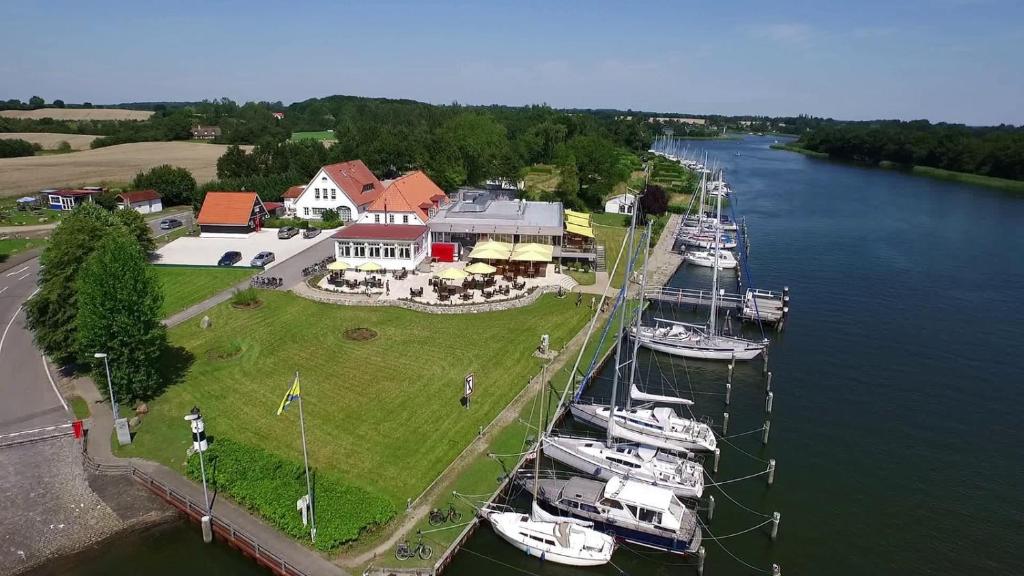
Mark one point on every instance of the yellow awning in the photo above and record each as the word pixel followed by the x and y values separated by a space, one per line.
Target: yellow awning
pixel 572 213
pixel 531 252
pixel 581 230
pixel 453 274
pixel 577 220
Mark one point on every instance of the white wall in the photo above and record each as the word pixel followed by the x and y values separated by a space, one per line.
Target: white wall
pixel 145 206
pixel 421 252
pixel 308 199
pixel 618 205
pixel 391 218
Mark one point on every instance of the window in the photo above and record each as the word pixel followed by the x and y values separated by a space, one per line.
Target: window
pixel 323 178
pixel 345 213
pixel 317 193
pixel 376 218
pixel 391 218
pixel 345 249
pixel 403 252
pixel 374 250
pixel 405 218
pixel 634 510
pixel 389 250
pixel 334 193
pixel 359 250
pixel 367 187
pixel 611 504
pixel 650 516
pixel 305 211
pixel 318 211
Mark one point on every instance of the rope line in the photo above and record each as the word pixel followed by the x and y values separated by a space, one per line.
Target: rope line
pixel 729 552
pixel 751 529
pixel 731 480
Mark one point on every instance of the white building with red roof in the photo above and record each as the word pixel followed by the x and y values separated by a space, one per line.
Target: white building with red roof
pixel 349 188
pixel 391 246
pixel 289 197
pixel 142 201
pixel 410 199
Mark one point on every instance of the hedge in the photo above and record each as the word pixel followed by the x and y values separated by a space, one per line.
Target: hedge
pixel 270 485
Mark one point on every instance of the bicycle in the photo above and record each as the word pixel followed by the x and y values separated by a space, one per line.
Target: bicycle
pixel 406 552
pixel 438 516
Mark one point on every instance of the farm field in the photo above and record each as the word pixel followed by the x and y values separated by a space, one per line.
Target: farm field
pixel 110 164
pixel 382 412
pixel 79 114
pixel 321 135
pixel 185 285
pixel 50 141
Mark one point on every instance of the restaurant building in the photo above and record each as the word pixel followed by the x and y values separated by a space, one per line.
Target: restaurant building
pixel 393 247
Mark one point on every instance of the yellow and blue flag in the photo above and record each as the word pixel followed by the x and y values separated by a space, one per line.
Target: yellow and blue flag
pixel 292 394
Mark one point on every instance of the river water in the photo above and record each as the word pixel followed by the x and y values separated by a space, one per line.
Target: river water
pixel 896 386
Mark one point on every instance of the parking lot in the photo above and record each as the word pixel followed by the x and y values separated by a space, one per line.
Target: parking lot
pixel 207 251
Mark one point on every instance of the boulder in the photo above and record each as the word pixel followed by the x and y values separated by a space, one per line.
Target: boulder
pixel 142 408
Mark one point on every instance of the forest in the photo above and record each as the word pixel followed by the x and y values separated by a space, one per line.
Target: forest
pixel 996 151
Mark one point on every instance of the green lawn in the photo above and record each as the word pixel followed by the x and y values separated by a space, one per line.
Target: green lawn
pixel 321 135
pixel 11 246
pixel 187 285
pixel 541 178
pixel 80 407
pixel 383 413
pixel 11 216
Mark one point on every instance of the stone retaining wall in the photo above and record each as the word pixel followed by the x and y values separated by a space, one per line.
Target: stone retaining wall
pixel 311 293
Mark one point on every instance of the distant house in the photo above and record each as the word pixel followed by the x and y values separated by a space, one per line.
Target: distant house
pixel 274 209
pixel 347 188
pixel 278 115
pixel 206 132
pixel 392 247
pixel 289 199
pixel 621 204
pixel 67 199
pixel 230 214
pixel 142 201
pixel 411 199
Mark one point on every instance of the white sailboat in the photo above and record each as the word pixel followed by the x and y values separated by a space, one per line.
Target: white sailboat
pixel 707 258
pixel 563 540
pixel 696 341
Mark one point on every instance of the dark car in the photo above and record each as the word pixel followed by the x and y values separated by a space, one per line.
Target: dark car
pixel 170 223
pixel 262 259
pixel 310 232
pixel 287 232
pixel 230 258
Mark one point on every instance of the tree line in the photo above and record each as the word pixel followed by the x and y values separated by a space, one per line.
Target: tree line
pixel 996 151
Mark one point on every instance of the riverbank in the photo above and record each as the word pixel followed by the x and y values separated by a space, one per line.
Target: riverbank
pixel 1015 186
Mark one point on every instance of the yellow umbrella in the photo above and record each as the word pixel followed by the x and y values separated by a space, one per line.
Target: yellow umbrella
pixel 491 250
pixel 370 267
pixel 480 268
pixel 531 252
pixel 339 265
pixel 453 274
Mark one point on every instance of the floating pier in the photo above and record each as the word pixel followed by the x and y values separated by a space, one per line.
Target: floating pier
pixel 754 305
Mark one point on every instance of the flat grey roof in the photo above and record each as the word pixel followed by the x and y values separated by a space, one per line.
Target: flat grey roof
pixel 476 211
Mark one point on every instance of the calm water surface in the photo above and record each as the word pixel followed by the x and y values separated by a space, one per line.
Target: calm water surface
pixel 897 387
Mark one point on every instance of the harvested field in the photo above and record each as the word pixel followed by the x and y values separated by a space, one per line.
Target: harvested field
pixel 110 164
pixel 50 141
pixel 79 114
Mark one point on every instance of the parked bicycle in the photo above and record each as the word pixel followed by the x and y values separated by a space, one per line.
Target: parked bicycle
pixel 438 516
pixel 406 552
pixel 266 282
pixel 317 267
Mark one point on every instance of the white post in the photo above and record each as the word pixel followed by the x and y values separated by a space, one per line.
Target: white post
pixel 305 458
pixel 728 393
pixel 776 571
pixel 771 471
pixel 768 403
pixel 725 423
pixel 718 454
pixel 711 507
pixel 767 427
pixel 701 554
pixel 775 525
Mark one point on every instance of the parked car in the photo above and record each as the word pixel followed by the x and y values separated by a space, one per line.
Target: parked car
pixel 310 232
pixel 170 223
pixel 230 258
pixel 287 232
pixel 262 259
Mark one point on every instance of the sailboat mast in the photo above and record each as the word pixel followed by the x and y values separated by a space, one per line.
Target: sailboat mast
pixel 714 275
pixel 639 315
pixel 622 317
pixel 540 430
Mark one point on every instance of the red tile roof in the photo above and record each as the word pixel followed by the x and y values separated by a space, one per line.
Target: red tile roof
pixel 293 192
pixel 228 208
pixel 413 192
pixel 381 232
pixel 352 177
pixel 139 196
pixel 69 193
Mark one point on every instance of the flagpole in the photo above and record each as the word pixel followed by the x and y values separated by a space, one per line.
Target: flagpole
pixel 305 457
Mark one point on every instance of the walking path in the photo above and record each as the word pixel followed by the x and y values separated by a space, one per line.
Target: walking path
pixel 99 449
pixel 663 261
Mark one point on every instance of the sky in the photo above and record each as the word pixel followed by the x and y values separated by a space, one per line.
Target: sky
pixel 944 60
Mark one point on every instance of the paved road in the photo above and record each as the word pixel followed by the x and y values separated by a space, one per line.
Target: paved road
pixel 30 400
pixel 185 217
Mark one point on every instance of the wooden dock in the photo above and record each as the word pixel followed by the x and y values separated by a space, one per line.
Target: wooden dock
pixel 754 305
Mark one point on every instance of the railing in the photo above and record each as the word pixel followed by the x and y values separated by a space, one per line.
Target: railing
pixel 237 538
pixel 34 435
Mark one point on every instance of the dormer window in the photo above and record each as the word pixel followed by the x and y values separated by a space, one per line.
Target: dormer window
pixel 367 187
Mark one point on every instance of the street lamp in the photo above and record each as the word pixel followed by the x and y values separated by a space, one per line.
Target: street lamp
pixel 195 420
pixel 110 385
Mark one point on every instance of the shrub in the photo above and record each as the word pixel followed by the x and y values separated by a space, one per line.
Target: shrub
pixel 269 485
pixel 330 216
pixel 245 297
pixel 15 148
pixel 64 146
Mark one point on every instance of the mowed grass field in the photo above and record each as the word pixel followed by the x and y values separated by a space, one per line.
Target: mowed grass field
pixel 185 285
pixel 321 135
pixel 109 164
pixel 79 114
pixel 50 141
pixel 610 230
pixel 383 413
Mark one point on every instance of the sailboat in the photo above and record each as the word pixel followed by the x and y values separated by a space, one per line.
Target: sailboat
pixel 707 258
pixel 697 341
pixel 647 424
pixel 563 540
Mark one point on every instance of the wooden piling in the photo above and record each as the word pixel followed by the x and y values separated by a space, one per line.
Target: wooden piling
pixel 728 393
pixel 767 428
pixel 701 554
pixel 768 381
pixel 711 508
pixel 775 525
pixel 725 423
pixel 776 571
pixel 718 455
pixel 771 471
pixel 768 403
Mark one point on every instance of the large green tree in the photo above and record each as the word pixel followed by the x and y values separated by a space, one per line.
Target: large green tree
pixel 119 302
pixel 51 312
pixel 137 226
pixel 176 185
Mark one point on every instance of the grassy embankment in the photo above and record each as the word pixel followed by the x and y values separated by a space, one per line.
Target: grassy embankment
pixel 322 135
pixel 678 182
pixel 11 246
pixel 1016 186
pixel 187 285
pixel 383 413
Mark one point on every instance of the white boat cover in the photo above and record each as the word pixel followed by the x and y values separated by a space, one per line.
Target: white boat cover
pixel 540 515
pixel 636 394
